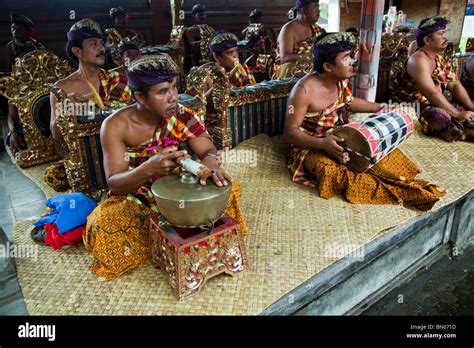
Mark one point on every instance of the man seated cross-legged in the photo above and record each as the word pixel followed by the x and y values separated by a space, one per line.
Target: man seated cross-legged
pixel 140 144
pixel 317 105
pixel 429 79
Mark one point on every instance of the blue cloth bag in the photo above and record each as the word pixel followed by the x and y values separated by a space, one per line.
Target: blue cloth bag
pixel 68 211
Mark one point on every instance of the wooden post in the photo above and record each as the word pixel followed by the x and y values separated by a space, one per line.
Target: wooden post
pixel 369 50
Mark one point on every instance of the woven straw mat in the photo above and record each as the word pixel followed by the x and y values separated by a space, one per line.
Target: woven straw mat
pixel 290 229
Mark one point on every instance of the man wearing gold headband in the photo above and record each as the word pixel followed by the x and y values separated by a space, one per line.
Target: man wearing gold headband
pixel 88 86
pixel 85 48
pixel 128 51
pixel 223 49
pixel 149 133
pixel 320 102
pixel 296 40
pixel 429 79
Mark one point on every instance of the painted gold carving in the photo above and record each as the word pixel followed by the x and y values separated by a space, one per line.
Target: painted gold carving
pixel 23 88
pixel 188 265
pixel 205 31
pixel 224 97
pixel 114 39
pixel 393 43
pixel 177 35
pixel 254 30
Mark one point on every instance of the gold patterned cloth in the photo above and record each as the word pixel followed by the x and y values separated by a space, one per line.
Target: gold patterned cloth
pixel 56 178
pixel 116 235
pixel 391 181
pixel 290 69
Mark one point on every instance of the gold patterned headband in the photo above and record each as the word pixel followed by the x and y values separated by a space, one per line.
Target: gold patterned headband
pixel 334 38
pixel 216 40
pixel 435 20
pixel 155 61
pixel 86 23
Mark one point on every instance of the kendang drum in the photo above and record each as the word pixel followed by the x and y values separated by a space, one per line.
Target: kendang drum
pixel 374 138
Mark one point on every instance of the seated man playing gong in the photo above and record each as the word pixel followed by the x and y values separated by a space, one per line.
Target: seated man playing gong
pixel 140 145
pixel 429 79
pixel 317 105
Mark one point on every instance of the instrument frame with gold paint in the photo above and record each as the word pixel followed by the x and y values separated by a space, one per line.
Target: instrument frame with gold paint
pixel 27 85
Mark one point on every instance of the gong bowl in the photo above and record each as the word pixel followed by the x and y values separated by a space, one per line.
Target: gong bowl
pixel 184 202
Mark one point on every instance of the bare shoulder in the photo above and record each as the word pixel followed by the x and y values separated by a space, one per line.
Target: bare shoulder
pixel 418 59
pixel 68 80
pixel 286 28
pixel 118 121
pixel 418 65
pixel 307 84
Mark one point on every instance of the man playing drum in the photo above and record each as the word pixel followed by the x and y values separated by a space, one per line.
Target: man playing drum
pixel 429 79
pixel 320 102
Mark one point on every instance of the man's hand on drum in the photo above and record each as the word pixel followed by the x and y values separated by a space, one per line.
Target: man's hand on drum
pixel 164 162
pixel 334 150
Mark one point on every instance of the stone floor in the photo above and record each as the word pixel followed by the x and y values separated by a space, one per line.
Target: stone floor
pixel 20 199
pixel 445 288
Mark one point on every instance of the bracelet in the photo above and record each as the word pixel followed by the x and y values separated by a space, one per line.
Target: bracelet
pixel 213 155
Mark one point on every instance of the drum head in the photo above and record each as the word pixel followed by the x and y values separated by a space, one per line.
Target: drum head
pixel 41 113
pixel 356 142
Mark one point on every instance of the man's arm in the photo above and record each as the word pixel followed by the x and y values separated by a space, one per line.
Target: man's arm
pixel 460 95
pixel 193 38
pixel 419 69
pixel 362 105
pixel 298 104
pixel 56 133
pixel 120 179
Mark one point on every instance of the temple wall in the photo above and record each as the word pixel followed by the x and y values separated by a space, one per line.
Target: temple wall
pixel 153 17
pixel 454 10
pixel 351 19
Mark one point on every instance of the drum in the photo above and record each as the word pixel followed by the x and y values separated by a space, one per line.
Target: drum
pixel 374 138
